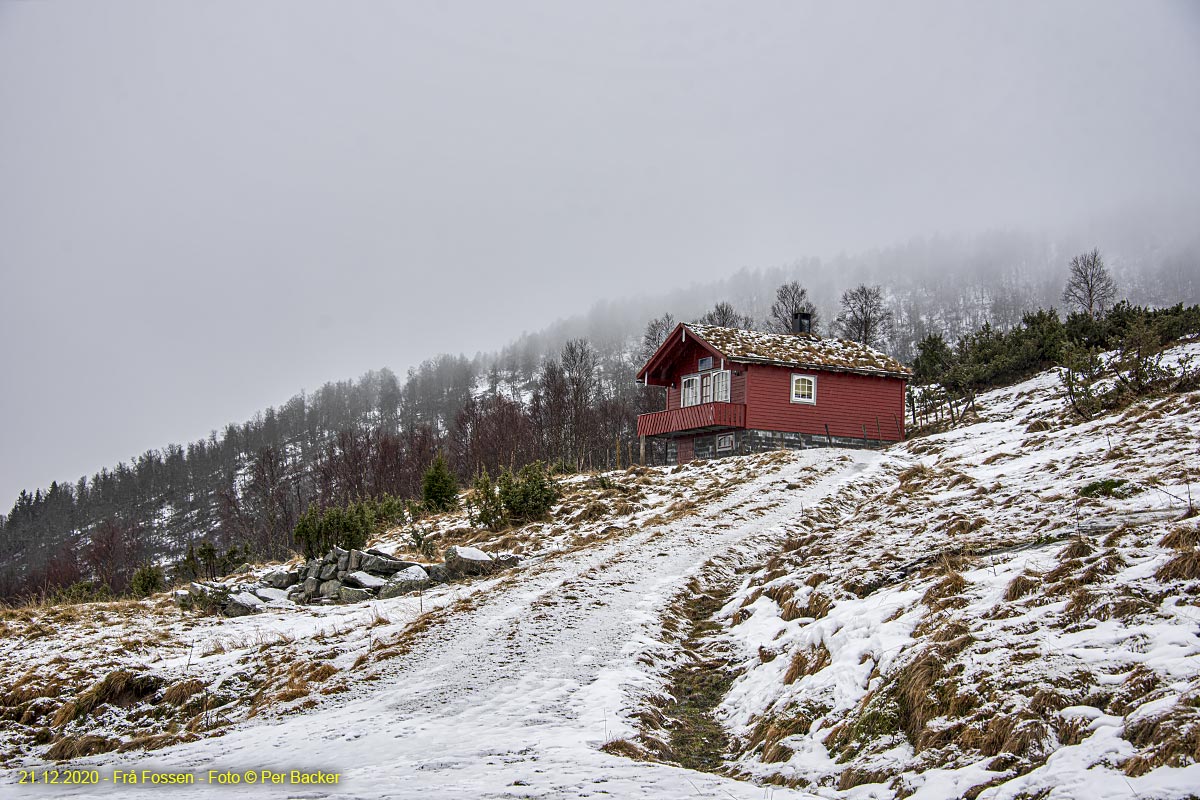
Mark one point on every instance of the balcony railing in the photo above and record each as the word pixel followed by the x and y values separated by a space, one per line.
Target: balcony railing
pixel 703 416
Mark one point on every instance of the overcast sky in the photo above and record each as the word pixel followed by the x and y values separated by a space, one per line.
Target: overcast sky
pixel 207 206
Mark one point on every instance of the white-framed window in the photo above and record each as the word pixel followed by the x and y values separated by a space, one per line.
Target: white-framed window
pixel 804 389
pixel 724 442
pixel 705 364
pixel 705 387
pixel 720 391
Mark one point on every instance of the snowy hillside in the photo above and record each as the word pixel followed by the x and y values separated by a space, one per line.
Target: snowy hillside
pixel 1010 609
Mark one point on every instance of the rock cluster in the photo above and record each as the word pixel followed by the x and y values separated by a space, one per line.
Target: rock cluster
pixel 341 576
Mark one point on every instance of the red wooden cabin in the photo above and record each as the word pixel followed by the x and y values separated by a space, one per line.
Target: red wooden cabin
pixel 732 391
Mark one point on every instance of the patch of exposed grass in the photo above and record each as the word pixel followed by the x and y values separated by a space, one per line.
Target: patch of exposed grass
pixel 945 593
pixel 1182 537
pixel 118 688
pixel 71 747
pixel 181 692
pixel 1185 566
pixel 807 661
pixel 1168 739
pixel 1107 487
pixel 1020 586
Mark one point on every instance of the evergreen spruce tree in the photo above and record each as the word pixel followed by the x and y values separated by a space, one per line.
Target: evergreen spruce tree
pixel 439 489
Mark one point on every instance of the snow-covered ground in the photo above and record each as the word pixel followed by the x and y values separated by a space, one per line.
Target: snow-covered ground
pixel 947 618
pixel 514 696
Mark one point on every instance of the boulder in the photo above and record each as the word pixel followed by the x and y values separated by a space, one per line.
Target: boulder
pixel 364 580
pixel 439 573
pixel 382 564
pixel 469 561
pixel 341 574
pixel 330 588
pixel 311 586
pixel 355 560
pixel 506 560
pixel 343 562
pixel 405 581
pixel 241 604
pixel 328 571
pixel 281 579
pixel 268 594
pixel 351 594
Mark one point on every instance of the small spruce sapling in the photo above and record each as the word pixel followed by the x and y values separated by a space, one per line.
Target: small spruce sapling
pixel 439 488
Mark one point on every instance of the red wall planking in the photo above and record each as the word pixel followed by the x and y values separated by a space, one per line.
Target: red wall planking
pixel 846 402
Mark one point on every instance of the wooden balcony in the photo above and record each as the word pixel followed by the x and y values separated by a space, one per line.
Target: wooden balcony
pixel 692 419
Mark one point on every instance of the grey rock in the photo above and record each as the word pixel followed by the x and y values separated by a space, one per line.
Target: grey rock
pixel 341 574
pixel 352 594
pixel 239 610
pixel 312 586
pixel 364 580
pixel 242 604
pixel 507 560
pixel 355 560
pixel 439 573
pixel 330 588
pixel 408 580
pixel 383 565
pixel 343 562
pixel 281 579
pixel 466 561
pixel 328 571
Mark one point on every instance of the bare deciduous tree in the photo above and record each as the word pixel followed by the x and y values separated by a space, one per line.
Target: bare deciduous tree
pixel 1089 288
pixel 724 315
pixel 656 331
pixel 864 317
pixel 791 298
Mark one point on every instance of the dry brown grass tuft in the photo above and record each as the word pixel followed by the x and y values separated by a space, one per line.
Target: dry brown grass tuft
pixel 914 476
pixel 1047 700
pixel 1071 730
pixel 781 593
pixel 119 688
pixel 181 692
pixel 1181 538
pixel 1078 548
pixel 771 731
pixel 853 776
pixel 624 748
pixel 807 661
pixel 1064 570
pixel 818 605
pixel 960 525
pixel 1185 566
pixel 69 747
pixel 1168 739
pixel 1079 606
pixel 1020 586
pixel 945 592
pixel 1136 689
